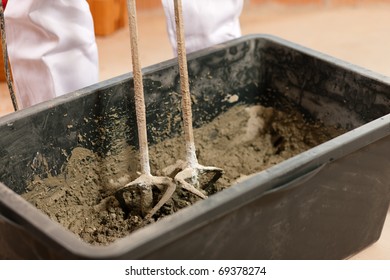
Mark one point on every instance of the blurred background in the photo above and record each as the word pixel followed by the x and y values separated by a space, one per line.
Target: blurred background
pixel 357 31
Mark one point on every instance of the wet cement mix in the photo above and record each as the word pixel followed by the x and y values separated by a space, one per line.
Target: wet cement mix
pixel 242 141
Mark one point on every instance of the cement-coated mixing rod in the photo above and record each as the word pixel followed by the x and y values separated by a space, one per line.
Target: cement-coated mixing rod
pixel 189 177
pixel 6 60
pixel 138 90
pixel 145 182
pixel 185 88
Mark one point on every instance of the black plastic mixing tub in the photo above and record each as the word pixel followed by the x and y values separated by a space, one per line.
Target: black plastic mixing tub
pixel 327 203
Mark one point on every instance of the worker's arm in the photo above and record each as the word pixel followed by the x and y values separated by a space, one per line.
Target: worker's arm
pixel 206 22
pixel 51 47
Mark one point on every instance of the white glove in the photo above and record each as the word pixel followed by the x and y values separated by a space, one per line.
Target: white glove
pixel 52 48
pixel 206 22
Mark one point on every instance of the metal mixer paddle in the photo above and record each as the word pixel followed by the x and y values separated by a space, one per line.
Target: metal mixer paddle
pixel 189 172
pixel 186 174
pixel 145 182
pixel 6 60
